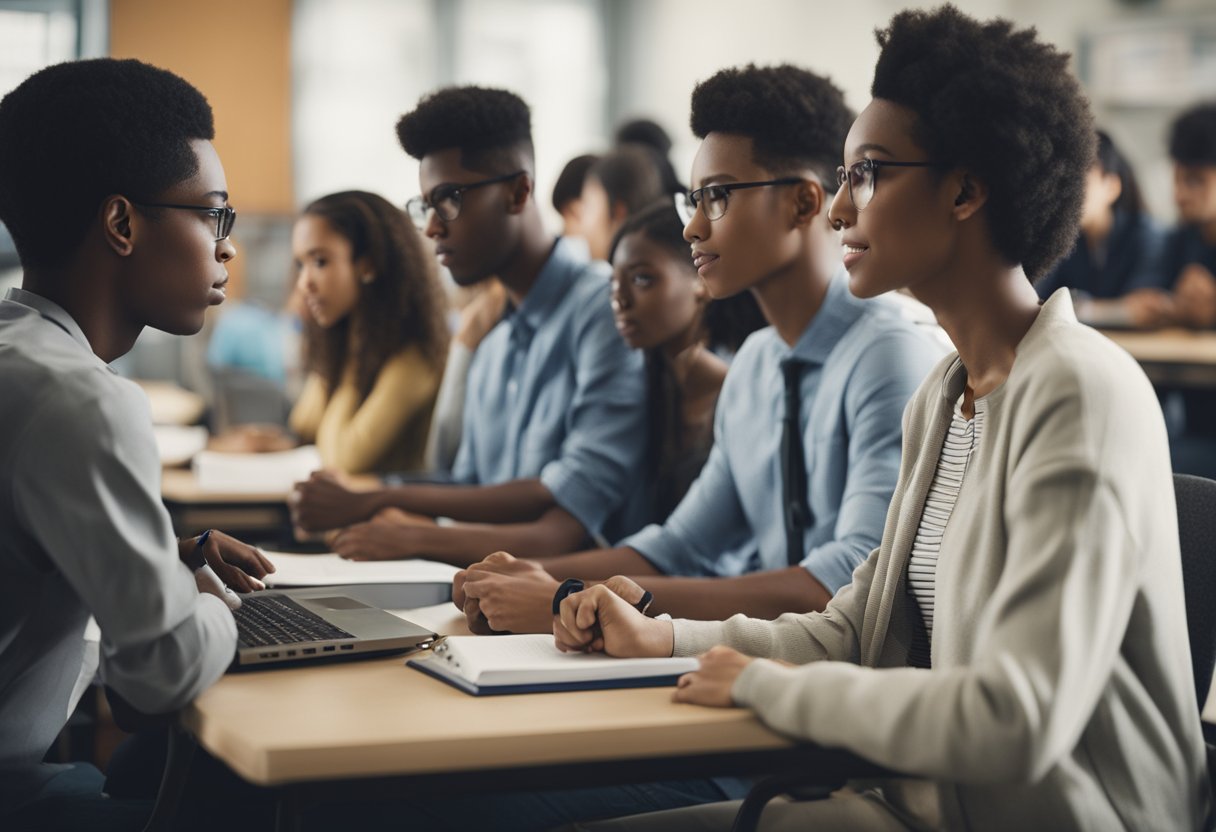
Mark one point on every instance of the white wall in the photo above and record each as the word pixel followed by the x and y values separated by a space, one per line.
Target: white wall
pixel 673 44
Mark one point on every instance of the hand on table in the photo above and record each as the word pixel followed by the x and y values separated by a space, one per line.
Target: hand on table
pixel 597 620
pixel 1149 308
pixel 252 439
pixel 322 502
pixel 1195 294
pixel 505 594
pixel 377 539
pixel 712 683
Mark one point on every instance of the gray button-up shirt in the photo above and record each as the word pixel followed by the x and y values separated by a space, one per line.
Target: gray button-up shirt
pixel 83 532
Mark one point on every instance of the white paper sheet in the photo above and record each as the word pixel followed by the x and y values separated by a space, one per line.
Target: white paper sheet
pixel 324 570
pixel 272 473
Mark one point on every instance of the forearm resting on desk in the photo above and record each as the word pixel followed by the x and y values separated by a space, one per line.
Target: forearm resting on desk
pixel 322 502
pixel 518 501
pixel 554 533
pixel 759 594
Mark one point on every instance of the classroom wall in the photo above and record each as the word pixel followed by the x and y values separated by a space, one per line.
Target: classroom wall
pixel 670 45
pixel 238 53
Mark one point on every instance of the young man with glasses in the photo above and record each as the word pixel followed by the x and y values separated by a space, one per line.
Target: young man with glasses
pixel 116 201
pixel 550 455
pixel 780 516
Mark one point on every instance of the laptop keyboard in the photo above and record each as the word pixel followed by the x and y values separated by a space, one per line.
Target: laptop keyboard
pixel 267 620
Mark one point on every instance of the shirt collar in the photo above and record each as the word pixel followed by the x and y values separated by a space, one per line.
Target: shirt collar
pixel 837 313
pixel 52 311
pixel 564 265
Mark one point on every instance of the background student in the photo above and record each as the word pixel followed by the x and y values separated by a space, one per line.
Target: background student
pixel 568 192
pixel 807 429
pixel 663 309
pixel 1189 269
pixel 118 205
pixel 647 133
pixel 1115 266
pixel 620 183
pixel 548 456
pixel 1017 644
pixel 377 334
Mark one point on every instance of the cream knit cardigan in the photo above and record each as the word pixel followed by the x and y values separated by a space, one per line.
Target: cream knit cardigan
pixel 1061 694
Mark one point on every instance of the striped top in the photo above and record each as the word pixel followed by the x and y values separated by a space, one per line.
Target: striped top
pixel 962 438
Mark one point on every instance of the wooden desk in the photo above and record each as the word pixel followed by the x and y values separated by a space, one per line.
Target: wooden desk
pixel 193 509
pixel 377 728
pixel 173 405
pixel 1172 357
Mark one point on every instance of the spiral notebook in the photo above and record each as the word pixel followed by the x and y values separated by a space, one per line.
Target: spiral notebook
pixel 495 665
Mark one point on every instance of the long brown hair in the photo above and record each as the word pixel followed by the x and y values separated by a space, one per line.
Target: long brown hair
pixel 403 305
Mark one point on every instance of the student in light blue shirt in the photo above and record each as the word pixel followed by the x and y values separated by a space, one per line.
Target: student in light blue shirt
pixel 551 454
pixel 727 547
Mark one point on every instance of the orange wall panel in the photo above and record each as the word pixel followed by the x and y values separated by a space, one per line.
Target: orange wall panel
pixel 238 52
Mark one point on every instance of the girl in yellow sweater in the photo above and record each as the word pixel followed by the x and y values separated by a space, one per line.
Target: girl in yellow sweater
pixel 376 334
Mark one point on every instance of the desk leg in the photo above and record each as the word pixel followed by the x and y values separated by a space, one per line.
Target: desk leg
pixel 173 781
pixel 289 810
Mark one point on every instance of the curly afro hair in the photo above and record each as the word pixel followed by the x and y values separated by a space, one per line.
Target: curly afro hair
pixel 74 133
pixel 1002 104
pixel 795 119
pixel 485 124
pixel 1193 136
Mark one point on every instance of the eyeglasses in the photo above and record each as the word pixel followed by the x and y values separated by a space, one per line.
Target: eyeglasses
pixel 224 217
pixel 713 199
pixel 862 177
pixel 445 200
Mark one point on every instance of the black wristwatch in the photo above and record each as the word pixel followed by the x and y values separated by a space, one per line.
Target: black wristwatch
pixel 572 585
pixel 568 587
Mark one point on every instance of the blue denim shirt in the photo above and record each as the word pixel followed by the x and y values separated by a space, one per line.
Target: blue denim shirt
pixel 554 392
pixel 864 362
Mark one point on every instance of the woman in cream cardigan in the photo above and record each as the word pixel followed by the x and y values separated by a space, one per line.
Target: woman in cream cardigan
pixel 1017 644
pixel 377 335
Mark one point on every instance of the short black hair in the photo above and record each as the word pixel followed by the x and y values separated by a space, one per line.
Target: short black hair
pixel 74 133
pixel 1193 136
pixel 1111 161
pixel 795 118
pixel 1002 103
pixel 570 180
pixel 483 123
pixel 644 131
pixel 631 176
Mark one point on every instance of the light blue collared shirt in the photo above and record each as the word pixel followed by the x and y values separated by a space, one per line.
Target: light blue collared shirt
pixel 864 360
pixel 554 392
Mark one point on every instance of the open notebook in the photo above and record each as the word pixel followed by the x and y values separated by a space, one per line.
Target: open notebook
pixel 488 665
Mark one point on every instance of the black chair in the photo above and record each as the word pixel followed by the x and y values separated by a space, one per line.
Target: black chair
pixel 1196 499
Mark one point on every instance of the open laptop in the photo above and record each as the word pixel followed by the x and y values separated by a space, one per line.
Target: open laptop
pixel 281 626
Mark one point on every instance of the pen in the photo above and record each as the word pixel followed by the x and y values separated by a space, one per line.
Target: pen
pixel 206 578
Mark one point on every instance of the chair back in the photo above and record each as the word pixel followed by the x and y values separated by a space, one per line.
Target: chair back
pixel 1196 498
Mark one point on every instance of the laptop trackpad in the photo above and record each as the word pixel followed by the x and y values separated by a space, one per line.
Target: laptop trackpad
pixel 338 602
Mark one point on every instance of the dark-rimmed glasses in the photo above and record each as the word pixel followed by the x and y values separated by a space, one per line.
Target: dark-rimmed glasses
pixel 862 177
pixel 445 200
pixel 225 217
pixel 713 199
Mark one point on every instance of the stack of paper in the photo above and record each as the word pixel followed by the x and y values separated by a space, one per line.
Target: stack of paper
pixel 332 570
pixel 178 444
pixel 486 665
pixel 272 473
